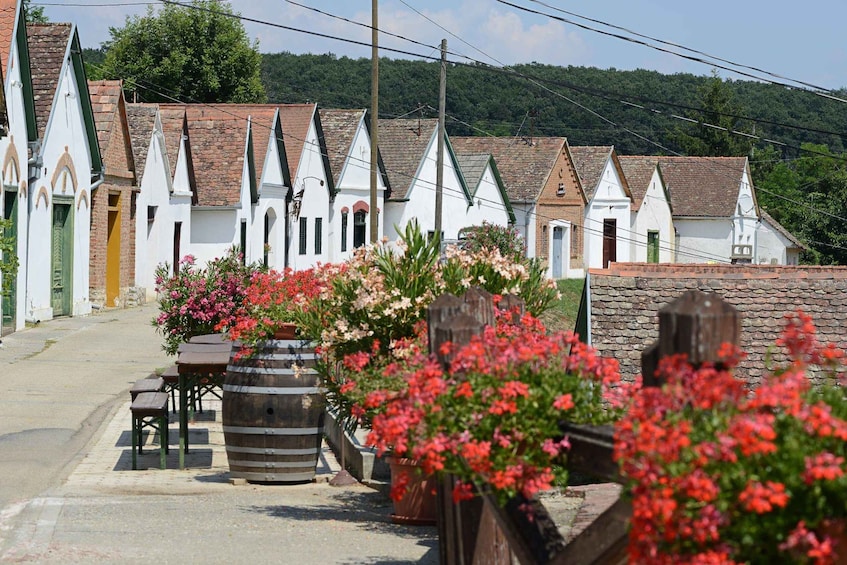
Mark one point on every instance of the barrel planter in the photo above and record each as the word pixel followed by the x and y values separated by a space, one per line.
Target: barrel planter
pixel 273 413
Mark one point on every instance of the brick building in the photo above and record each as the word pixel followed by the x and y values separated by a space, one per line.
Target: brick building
pixel 112 266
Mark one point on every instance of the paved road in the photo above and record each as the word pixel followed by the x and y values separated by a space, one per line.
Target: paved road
pixel 68 496
pixel 58 381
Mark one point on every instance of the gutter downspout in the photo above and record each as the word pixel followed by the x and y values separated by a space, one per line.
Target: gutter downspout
pixel 33 170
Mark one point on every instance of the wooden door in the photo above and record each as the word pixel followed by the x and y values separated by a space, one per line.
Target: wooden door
pixel 652 247
pixel 62 259
pixel 113 251
pixel 610 241
pixel 9 299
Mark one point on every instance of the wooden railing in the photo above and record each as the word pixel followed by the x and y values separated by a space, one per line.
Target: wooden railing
pixel 480 530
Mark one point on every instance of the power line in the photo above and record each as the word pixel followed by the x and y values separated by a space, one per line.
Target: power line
pixel 663 42
pixel 668 51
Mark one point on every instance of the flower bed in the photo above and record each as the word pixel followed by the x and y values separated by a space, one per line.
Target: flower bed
pixel 719 473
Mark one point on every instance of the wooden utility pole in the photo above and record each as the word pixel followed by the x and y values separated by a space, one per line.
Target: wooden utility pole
pixel 374 211
pixel 439 172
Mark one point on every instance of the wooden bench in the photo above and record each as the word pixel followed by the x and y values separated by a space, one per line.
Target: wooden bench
pixel 150 410
pixel 153 383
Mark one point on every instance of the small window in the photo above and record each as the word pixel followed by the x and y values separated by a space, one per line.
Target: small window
pixel 318 235
pixel 359 231
pixel 561 190
pixel 151 213
pixel 343 232
pixel 304 228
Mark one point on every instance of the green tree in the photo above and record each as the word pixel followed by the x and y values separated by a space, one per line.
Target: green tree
pixel 199 53
pixel 34 14
pixel 718 107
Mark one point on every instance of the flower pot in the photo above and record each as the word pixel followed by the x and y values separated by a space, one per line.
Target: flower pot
pixel 273 413
pixel 286 331
pixel 418 504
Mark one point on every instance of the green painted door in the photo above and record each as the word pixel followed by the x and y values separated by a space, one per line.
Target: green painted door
pixel 62 259
pixel 9 301
pixel 652 247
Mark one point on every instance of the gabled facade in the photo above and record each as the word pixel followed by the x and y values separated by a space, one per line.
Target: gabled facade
pixel 608 211
pixel 775 244
pixel 311 239
pixel 714 208
pixel 652 238
pixel 348 143
pixel 488 193
pixel 67 162
pixel 14 152
pixel 161 210
pixel 545 194
pixel 409 148
pixel 113 206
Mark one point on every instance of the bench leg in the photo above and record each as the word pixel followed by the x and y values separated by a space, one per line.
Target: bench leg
pixel 135 434
pixel 163 441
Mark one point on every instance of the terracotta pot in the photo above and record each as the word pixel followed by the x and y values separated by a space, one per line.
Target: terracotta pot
pixel 285 331
pixel 836 530
pixel 418 505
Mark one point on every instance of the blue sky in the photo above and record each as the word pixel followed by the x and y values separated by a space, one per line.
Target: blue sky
pixel 799 41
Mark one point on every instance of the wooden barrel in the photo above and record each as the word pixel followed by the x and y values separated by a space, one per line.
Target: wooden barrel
pixel 273 412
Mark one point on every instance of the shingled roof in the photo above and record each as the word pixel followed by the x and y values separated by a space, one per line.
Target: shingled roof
pixel 142 122
pixel 403 144
pixel 626 298
pixel 296 120
pixel 703 186
pixel 590 162
pixel 473 167
pixel 524 166
pixel 8 11
pixel 173 126
pixel 639 172
pixel 340 128
pixel 48 44
pixel 105 98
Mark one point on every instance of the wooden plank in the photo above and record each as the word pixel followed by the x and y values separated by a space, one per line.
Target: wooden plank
pixel 603 541
pixel 532 534
pixel 591 450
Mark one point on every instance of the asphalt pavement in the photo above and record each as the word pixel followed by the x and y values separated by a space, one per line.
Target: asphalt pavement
pixel 68 494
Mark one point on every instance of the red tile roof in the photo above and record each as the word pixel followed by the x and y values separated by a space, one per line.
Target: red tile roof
pixel 339 127
pixel 703 186
pixel 524 167
pixel 639 172
pixel 626 298
pixel 403 144
pixel 142 122
pixel 296 120
pixel 590 162
pixel 48 44
pixel 173 127
pixel 8 11
pixel 105 101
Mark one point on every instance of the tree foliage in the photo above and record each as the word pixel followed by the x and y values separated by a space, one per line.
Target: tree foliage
pixel 199 53
pixel 709 134
pixel 34 14
pixel 809 197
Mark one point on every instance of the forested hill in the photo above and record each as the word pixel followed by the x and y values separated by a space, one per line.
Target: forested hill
pixel 584 104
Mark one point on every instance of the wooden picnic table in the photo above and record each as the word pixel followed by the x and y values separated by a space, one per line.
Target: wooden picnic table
pixel 203 357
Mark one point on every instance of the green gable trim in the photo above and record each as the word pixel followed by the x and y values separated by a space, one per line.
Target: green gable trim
pixel 283 157
pixel 458 169
pixel 26 74
pixel 501 186
pixel 251 167
pixel 319 132
pixel 85 101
